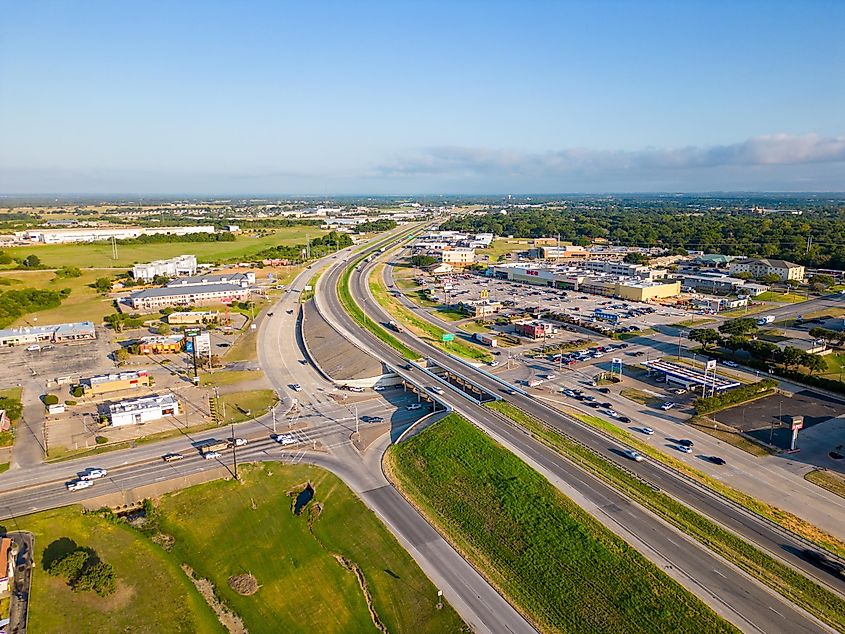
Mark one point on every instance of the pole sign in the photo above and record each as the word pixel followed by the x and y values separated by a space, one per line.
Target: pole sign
pixel 711 364
pixel 192 332
pixel 448 337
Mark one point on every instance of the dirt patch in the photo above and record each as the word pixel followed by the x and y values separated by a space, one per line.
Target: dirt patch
pixel 245 584
pixel 231 621
pixel 164 540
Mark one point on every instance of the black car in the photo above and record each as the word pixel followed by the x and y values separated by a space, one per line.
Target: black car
pixel 716 459
pixel 824 562
pixel 610 405
pixel 594 405
pixel 685 442
pixel 604 390
pixel 624 419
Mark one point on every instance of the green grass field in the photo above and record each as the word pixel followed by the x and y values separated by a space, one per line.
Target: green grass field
pixel 250 527
pixel 241 406
pixel 501 247
pixel 833 482
pixel 773 296
pixel 99 254
pixel 153 594
pixel 558 564
pixel 83 303
pixel 229 377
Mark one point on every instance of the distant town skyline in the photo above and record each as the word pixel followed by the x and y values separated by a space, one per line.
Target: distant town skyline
pixel 421 98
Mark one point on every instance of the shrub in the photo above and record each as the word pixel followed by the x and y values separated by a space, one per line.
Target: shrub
pixel 50 399
pixel 71 565
pixel 70 403
pixel 99 577
pixel 77 391
pixel 733 397
pixel 101 440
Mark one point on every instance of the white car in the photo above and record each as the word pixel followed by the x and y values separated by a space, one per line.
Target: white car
pixel 379 388
pixel 667 406
pixel 437 390
pixel 211 455
pixel 493 363
pixel 551 377
pixel 684 449
pixel 296 387
pixel 413 407
pixel 240 442
pixel 731 364
pixel 93 474
pixel 285 439
pixel 633 455
pixel 356 389
pixel 610 412
pixel 33 348
pixel 78 485
pixel 648 431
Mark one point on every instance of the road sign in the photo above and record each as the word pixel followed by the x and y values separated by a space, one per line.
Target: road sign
pixel 485 294
pixel 192 332
pixel 448 337
pixel 711 364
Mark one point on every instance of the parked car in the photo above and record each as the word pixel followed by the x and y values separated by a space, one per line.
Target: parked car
pixel 731 364
pixel 296 387
pixel 93 474
pixel 78 485
pixel 34 348
pixel 353 388
pixel 379 388
pixel 633 455
pixel 372 419
pixel 414 406
pixel 172 457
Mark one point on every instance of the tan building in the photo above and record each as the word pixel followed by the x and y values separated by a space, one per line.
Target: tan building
pixel 645 291
pixel 766 266
pixel 567 252
pixel 458 257
pixel 105 383
pixel 195 317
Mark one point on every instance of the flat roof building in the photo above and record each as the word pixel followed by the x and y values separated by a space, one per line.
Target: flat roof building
pixel 769 266
pixel 157 344
pixel 104 383
pixel 56 333
pixel 187 295
pixel 690 377
pixel 174 267
pixel 142 410
pixel 93 234
pixel 244 280
pixel 193 317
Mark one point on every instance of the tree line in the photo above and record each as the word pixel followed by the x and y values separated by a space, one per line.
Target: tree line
pixel 731 233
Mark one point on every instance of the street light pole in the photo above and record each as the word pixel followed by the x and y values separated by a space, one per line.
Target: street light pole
pixel 234 451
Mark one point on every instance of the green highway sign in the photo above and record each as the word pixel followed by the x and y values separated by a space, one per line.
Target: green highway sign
pixel 192 332
pixel 448 337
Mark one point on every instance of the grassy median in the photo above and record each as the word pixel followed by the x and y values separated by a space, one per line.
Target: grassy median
pixel 794 586
pixel 562 569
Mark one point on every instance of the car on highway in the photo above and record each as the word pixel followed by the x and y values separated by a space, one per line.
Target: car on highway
pixel 284 439
pixel 632 455
pixel 355 388
pixel 172 457
pixel 238 442
pixel 683 448
pixel 715 459
pixel 686 443
pixel 93 474
pixel 303 362
pixel 824 562
pixel 731 364
pixel 609 412
pixel 78 485
pixel 211 455
pixel 667 406
pixel 648 431
pixel 624 419
pixel 414 407
pixel 372 419
pixel 296 387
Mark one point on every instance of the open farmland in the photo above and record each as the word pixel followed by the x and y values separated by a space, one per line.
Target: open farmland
pixel 551 558
pixel 99 254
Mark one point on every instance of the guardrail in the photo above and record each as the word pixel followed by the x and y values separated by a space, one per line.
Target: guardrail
pixel 511 387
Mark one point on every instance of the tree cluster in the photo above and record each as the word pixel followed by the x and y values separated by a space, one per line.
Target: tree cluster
pixel 423 261
pixel 732 397
pixel 384 224
pixel 84 571
pixel 16 303
pixel 167 238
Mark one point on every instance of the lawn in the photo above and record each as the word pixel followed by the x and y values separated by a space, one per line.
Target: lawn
pixel 250 527
pixel 229 377
pixel 245 347
pixel 474 327
pixel 99 254
pixel 153 594
pixel 694 323
pixel 729 435
pixel 501 247
pixel 788 298
pixel 83 303
pixel 241 406
pixel 641 397
pixel 559 565
pixel 833 482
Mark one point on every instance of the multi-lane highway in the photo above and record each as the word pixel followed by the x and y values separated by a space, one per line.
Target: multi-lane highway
pixel 759 609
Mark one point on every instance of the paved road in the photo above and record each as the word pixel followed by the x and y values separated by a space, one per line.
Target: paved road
pixel 750 610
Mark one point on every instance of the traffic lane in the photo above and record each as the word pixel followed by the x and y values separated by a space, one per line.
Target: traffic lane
pixel 757 610
pixel 757 530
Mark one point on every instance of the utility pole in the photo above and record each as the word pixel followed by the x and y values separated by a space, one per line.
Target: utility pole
pixel 234 451
pixel 273 414
pixel 307 246
pixel 113 248
pixel 356 419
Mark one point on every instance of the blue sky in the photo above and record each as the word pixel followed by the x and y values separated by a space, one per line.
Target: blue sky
pixel 421 97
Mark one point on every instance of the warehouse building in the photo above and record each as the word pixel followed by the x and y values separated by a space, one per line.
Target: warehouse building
pixel 244 280
pixel 104 383
pixel 143 410
pixel 56 333
pixel 94 234
pixel 187 295
pixel 174 267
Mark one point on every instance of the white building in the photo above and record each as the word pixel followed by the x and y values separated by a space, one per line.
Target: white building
pixel 766 266
pixel 57 333
pixel 458 257
pixel 174 267
pixel 187 295
pixel 93 234
pixel 143 410
pixel 244 280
